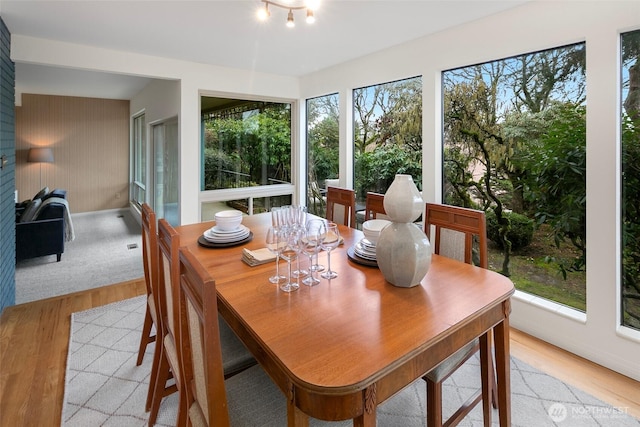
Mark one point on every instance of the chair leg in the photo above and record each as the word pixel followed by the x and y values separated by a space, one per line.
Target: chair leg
pixel 160 383
pixel 486 370
pixel 153 378
pixel 434 404
pixel 183 409
pixel 146 337
pixel 58 257
pixel 492 383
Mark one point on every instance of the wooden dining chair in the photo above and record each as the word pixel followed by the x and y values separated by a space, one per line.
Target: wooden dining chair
pixel 150 264
pixel 248 398
pixel 344 198
pixel 169 365
pixel 236 357
pixel 455 230
pixel 374 206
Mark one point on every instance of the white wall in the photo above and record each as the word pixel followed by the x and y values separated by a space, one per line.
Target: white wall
pixel 194 78
pixel 534 26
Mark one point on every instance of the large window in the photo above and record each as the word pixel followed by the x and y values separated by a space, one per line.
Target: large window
pixel 387 135
pixel 246 144
pixel 322 149
pixel 515 146
pixel 630 208
pixel 139 160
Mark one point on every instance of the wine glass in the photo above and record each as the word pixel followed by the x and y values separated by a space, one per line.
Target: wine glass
pixel 285 216
pixel 299 222
pixel 310 246
pixel 275 217
pixel 330 242
pixel 317 226
pixel 289 253
pixel 273 241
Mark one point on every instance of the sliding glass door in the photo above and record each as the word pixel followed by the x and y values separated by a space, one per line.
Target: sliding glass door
pixel 166 170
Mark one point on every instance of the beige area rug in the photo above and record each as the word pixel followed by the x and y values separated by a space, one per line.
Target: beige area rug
pixel 105 388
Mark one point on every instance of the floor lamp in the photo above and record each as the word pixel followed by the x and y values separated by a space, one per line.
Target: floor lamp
pixel 40 155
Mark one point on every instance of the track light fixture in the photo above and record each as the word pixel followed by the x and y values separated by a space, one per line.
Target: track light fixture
pixel 309 5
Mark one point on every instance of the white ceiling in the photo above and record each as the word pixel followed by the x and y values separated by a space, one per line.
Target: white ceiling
pixel 224 33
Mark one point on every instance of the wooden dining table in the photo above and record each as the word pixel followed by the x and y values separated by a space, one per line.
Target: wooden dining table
pixel 339 349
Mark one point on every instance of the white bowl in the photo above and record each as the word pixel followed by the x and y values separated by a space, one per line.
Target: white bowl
pixel 372 229
pixel 228 220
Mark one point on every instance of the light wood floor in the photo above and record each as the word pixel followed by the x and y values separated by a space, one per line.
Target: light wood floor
pixel 34 338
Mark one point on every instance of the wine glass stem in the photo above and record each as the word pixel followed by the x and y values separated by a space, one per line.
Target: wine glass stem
pixel 289 264
pixel 329 261
pixel 278 266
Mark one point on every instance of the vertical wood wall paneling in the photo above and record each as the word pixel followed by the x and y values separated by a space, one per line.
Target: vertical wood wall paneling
pixel 90 141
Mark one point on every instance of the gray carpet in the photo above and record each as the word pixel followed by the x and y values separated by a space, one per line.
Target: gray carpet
pixel 104 387
pixel 99 256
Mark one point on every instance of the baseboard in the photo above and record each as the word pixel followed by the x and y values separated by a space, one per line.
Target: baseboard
pixel 115 211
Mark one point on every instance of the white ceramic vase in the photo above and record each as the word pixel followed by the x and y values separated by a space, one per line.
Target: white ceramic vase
pixel 403 250
pixel 402 201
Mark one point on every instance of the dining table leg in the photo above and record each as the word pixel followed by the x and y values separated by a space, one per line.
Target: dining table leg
pixel 503 367
pixel 370 405
pixel 486 375
pixel 365 420
pixel 295 417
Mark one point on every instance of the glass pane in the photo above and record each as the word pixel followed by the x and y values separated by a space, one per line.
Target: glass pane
pixel 630 209
pixel 166 171
pixel 323 118
pixel 246 143
pixel 514 145
pixel 139 160
pixel 387 135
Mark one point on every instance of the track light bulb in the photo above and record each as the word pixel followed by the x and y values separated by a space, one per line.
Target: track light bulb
pixel 310 18
pixel 290 22
pixel 263 12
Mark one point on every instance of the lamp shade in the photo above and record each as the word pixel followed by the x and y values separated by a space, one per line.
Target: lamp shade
pixel 40 155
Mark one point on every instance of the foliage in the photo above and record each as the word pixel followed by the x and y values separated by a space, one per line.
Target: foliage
pixel 495 116
pixel 387 134
pixel 557 177
pixel 471 125
pixel 376 170
pixel 238 148
pixel 520 231
pixel 323 139
pixel 631 222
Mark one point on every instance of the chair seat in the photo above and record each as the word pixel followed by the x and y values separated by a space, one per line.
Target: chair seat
pixel 451 363
pixel 235 356
pixel 253 398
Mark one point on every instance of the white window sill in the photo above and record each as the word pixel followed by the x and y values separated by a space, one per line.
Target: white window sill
pixel 553 307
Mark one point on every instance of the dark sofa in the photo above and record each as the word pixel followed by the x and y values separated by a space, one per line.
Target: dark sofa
pixel 40 226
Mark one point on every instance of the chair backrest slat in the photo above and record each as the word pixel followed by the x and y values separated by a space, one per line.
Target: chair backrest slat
pixel 169 275
pixel 374 206
pixel 342 197
pixel 150 254
pixel 455 228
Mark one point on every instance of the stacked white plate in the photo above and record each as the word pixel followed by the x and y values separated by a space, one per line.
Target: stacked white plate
pixel 365 249
pixel 215 235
